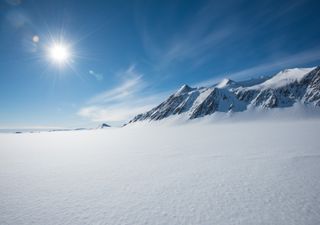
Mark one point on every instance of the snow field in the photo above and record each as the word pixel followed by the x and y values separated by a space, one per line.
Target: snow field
pixel 261 172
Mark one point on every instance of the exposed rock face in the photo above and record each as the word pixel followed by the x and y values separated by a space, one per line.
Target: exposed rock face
pixel 104 125
pixel 281 90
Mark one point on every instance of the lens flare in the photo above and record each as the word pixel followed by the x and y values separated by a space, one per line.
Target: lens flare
pixel 59 53
pixel 35 39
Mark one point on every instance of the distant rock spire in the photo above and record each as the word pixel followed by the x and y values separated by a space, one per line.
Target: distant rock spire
pixel 104 125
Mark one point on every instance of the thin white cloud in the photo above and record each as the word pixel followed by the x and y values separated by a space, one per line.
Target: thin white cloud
pixel 112 113
pixel 131 84
pixel 205 34
pixel 196 47
pixel 284 63
pixel 123 102
pixel 122 111
pixel 192 43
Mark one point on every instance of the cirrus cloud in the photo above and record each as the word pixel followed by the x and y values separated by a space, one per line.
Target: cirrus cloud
pixel 121 103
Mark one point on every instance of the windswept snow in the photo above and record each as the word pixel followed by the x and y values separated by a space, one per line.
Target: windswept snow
pixel 284 78
pixel 224 83
pixel 261 172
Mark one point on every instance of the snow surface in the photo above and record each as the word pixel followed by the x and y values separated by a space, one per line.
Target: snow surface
pixel 224 83
pixel 284 78
pixel 258 172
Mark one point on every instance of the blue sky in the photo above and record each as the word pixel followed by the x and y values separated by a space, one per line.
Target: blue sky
pixel 128 56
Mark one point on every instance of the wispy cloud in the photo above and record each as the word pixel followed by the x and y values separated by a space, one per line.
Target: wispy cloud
pixel 272 66
pixel 203 34
pixel 195 47
pixel 131 84
pixel 122 102
pixel 192 44
pixel 113 113
pixel 211 31
pixel 97 76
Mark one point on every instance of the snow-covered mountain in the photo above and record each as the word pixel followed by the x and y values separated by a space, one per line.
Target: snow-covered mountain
pixel 284 89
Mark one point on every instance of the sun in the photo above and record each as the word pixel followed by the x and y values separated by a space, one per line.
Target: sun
pixel 59 53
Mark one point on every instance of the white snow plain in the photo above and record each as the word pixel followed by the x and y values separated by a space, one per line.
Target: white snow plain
pixel 260 172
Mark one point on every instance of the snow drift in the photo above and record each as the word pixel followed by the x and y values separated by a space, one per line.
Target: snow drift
pixel 261 172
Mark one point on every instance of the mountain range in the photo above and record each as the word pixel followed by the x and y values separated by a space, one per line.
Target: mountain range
pixel 284 89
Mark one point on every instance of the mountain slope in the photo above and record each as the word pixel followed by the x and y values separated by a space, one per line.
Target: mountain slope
pixel 284 89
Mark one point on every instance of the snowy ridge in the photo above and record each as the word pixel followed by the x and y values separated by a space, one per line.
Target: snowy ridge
pixel 284 89
pixel 284 78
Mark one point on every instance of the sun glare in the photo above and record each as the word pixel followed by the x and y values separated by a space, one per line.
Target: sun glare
pixel 59 53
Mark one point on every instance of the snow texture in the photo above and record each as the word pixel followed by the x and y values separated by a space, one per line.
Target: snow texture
pixel 246 173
